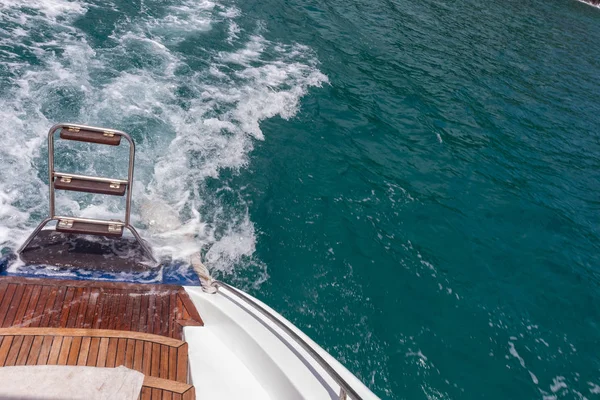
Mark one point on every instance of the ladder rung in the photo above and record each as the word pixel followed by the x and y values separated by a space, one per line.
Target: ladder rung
pixel 90 227
pixel 83 135
pixel 80 183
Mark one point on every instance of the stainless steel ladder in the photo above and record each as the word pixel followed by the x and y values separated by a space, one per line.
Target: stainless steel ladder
pixel 90 184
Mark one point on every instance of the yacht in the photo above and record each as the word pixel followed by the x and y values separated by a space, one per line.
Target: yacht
pixel 103 339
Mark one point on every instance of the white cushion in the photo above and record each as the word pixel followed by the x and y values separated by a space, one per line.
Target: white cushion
pixel 54 382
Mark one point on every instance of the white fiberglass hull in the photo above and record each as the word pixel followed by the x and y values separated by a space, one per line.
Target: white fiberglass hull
pixel 240 353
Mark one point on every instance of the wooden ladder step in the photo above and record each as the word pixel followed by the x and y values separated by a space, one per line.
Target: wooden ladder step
pixel 89 228
pixel 83 135
pixel 89 185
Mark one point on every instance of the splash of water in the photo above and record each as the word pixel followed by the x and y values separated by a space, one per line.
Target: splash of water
pixel 194 111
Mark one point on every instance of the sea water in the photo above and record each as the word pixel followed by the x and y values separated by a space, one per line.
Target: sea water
pixel 413 184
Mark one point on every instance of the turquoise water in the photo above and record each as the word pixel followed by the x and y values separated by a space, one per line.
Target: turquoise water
pixel 414 184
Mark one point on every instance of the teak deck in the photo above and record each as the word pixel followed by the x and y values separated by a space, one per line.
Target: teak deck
pixel 103 324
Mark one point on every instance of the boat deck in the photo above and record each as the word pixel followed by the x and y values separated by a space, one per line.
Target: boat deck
pixel 103 324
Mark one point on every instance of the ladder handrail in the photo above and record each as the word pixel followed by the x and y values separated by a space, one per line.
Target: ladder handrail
pixel 51 172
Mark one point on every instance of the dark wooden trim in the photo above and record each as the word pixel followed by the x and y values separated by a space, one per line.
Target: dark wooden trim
pixel 88 228
pixel 87 186
pixel 82 135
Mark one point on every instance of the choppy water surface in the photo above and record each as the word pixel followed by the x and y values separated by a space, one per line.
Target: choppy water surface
pixel 414 184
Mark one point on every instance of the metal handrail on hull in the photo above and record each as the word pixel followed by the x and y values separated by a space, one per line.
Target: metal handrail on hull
pixel 345 388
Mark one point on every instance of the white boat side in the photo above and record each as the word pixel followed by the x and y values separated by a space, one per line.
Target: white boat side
pixel 242 353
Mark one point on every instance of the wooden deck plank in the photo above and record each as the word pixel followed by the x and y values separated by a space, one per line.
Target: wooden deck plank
pixel 178 332
pixel 144 307
pixel 24 351
pixel 118 308
pixel 74 308
pixel 130 353
pixel 156 324
pixel 6 301
pixel 127 318
pixel 164 312
pixel 14 305
pixel 126 312
pixel 146 393
pixel 74 351
pixel 119 315
pixel 113 309
pixel 29 310
pixel 107 299
pixel 37 314
pixel 173 363
pixel 102 352
pixel 135 306
pixel 182 363
pixel 45 350
pixel 91 308
pixel 155 364
pixel 4 348
pixel 48 311
pixel 121 350
pixel 67 305
pixel 115 315
pixel 81 313
pixel 63 355
pixel 13 353
pixel 138 355
pixel 159 317
pixel 147 359
pixel 23 304
pixel 164 362
pixel 173 314
pixel 55 350
pixel 57 307
pixel 34 353
pixel 3 287
pixel 29 319
pixel 111 354
pixel 151 313
pixel 92 357
pixel 84 351
pixel 99 311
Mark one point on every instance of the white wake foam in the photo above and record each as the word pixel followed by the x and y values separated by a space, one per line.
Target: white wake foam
pixel 192 116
